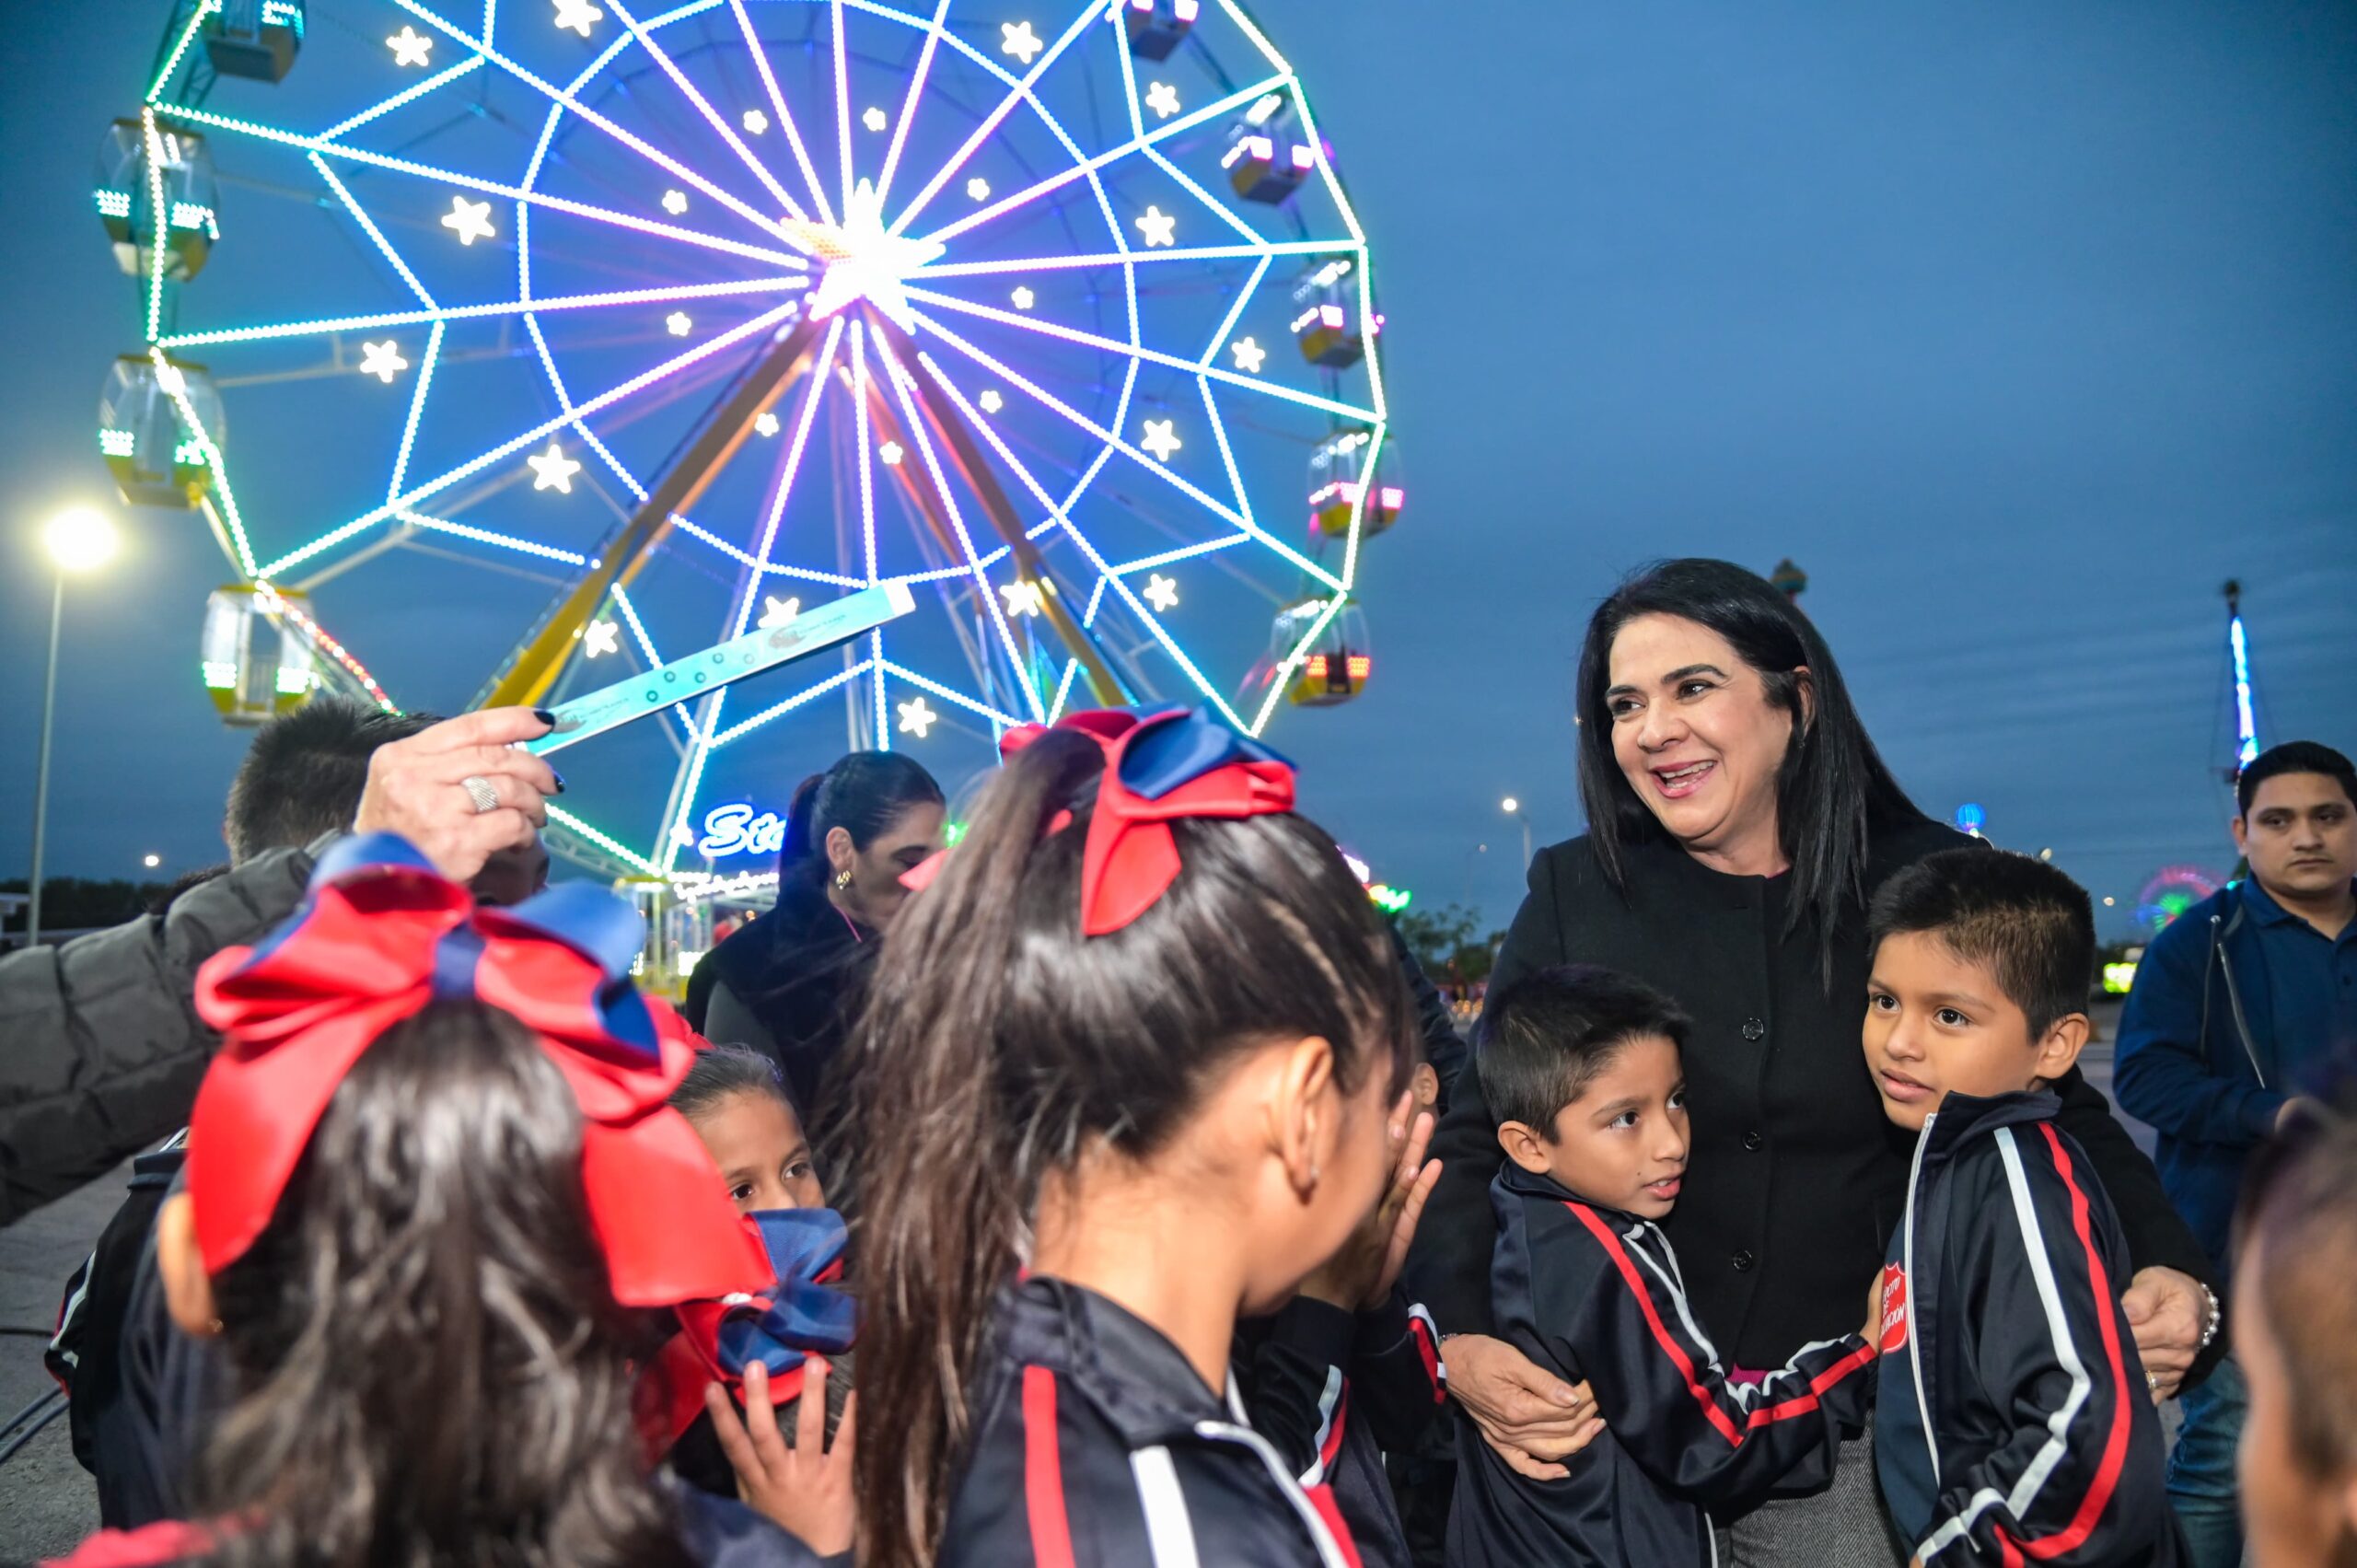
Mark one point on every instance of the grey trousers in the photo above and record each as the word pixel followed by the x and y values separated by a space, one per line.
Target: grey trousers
pixel 1843 1526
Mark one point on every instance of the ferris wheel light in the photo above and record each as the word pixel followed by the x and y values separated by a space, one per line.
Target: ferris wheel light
pixel 1249 355
pixel 1162 98
pixel 679 323
pixel 989 399
pixel 1023 597
pixel 916 718
pixel 578 14
pixel 469 221
pixel 603 637
pixel 766 422
pixel 778 612
pixel 1161 439
pixel 1023 298
pixel 1162 593
pixel 382 360
pixel 80 540
pixel 1158 226
pixel 552 470
pixel 754 122
pixel 675 201
pixel 978 189
pixel 1018 39
pixel 891 454
pixel 409 46
pixel 874 119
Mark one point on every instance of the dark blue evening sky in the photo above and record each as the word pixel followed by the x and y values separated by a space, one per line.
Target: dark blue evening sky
pixel 2020 325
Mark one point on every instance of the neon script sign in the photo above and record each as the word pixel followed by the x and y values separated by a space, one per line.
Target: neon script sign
pixel 736 829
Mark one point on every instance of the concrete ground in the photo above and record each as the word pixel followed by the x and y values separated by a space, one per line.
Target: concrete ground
pixel 46 1502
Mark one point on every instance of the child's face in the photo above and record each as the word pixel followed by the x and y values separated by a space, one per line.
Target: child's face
pixel 2293 1515
pixel 1937 1024
pixel 1622 1143
pixel 757 1142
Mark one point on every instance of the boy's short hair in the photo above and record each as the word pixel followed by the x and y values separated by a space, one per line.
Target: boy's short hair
pixel 1545 1037
pixel 2029 926
pixel 305 772
pixel 2298 1212
pixel 2293 757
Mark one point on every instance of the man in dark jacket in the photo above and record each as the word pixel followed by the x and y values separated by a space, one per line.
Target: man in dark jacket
pixel 2232 1002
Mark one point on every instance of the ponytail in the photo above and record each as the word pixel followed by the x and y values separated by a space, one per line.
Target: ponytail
pixel 797 851
pixel 1016 1043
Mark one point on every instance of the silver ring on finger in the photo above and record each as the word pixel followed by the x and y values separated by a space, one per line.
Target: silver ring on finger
pixel 480 791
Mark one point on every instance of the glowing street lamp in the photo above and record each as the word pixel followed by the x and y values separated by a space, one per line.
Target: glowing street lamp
pixel 81 539
pixel 1512 807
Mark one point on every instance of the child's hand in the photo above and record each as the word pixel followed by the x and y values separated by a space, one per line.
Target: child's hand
pixel 806 1490
pixel 1872 1332
pixel 1359 1276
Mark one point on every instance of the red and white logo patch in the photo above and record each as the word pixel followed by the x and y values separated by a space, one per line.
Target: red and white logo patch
pixel 1894 1309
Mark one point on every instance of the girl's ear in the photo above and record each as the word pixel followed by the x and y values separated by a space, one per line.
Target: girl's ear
pixel 841 854
pixel 1300 1109
pixel 1807 685
pixel 187 1291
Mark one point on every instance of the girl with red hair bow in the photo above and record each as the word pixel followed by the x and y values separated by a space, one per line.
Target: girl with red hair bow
pixel 432 1188
pixel 1134 1056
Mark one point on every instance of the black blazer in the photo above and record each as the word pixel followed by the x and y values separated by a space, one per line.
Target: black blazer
pixel 1797 1177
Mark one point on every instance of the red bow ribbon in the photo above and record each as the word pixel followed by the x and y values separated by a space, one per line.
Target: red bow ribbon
pixel 380 934
pixel 1160 765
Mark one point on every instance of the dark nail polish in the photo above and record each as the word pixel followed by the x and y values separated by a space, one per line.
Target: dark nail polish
pixel 560 780
pixel 545 716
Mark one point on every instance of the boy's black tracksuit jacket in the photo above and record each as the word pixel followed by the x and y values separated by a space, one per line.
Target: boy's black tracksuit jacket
pixel 1592 1293
pixel 2014 1355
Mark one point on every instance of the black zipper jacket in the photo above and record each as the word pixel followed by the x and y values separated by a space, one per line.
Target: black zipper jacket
pixel 1097 1445
pixel 1590 1291
pixel 2012 1421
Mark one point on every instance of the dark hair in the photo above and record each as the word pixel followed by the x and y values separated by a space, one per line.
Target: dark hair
pixel 1832 788
pixel 2298 1213
pixel 863 794
pixel 305 772
pixel 434 1236
pixel 722 1072
pixel 2029 926
pixel 2294 757
pixel 1015 1044
pixel 1545 1036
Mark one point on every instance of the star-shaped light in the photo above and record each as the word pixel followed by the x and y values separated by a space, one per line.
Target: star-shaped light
pixel 1020 41
pixel 1162 593
pixel 552 470
pixel 874 119
pixel 675 201
pixel 766 422
pixel 409 46
pixel 679 323
pixel 891 454
pixel 1160 440
pixel 1023 298
pixel 602 637
pixel 576 15
pixel 916 718
pixel 1158 226
pixel 992 402
pixel 469 221
pixel 1249 355
pixel 864 260
pixel 382 360
pixel 755 122
pixel 779 611
pixel 682 835
pixel 1024 598
pixel 979 189
pixel 1162 98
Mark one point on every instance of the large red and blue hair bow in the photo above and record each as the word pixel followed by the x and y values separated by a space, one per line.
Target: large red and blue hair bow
pixel 380 934
pixel 795 1319
pixel 1161 764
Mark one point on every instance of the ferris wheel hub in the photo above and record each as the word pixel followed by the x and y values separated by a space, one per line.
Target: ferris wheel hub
pixel 863 258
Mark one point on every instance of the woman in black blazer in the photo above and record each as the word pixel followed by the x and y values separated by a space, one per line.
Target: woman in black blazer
pixel 1739 820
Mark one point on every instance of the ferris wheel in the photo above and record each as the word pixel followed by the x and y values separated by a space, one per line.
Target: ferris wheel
pixel 622 332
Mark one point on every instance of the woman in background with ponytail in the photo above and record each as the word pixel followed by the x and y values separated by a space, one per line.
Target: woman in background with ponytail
pixel 783 984
pixel 1144 1069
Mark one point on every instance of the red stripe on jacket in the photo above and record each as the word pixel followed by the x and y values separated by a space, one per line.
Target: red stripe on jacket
pixel 2114 1442
pixel 1043 1471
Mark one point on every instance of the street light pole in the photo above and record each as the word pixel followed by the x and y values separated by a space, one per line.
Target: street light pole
pixel 1512 807
pixel 41 780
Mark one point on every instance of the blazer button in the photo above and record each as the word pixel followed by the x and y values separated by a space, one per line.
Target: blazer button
pixel 1743 1261
pixel 1754 1141
pixel 1753 1028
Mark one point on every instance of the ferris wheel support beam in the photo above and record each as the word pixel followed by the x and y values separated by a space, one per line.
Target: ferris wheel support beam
pixel 532 668
pixel 981 481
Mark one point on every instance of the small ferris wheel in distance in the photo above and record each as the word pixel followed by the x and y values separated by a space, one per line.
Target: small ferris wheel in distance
pixel 634 327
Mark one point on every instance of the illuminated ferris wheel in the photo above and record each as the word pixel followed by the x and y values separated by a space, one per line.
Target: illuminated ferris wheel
pixel 621 333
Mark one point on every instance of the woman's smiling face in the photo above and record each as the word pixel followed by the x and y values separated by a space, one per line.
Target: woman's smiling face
pixel 1700 738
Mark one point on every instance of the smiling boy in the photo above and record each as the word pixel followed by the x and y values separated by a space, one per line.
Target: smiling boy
pixel 1582 1068
pixel 2012 1418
